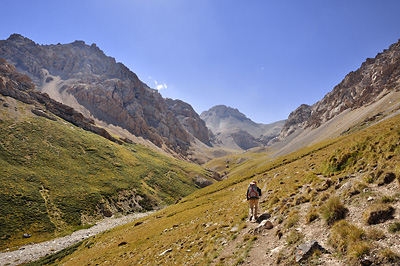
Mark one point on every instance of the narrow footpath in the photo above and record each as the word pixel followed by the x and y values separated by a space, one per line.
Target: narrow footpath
pixel 32 252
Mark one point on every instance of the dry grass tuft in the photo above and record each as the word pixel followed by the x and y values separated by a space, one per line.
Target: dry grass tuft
pixel 312 215
pixel 388 256
pixel 344 235
pixel 333 210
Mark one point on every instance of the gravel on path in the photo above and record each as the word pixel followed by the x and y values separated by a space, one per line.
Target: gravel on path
pixel 32 252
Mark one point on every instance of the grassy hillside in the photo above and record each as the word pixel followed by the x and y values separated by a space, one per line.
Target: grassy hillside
pixel 56 177
pixel 325 192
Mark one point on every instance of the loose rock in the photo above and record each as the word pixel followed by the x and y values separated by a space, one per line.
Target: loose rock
pixel 305 250
pixel 379 215
pixel 262 217
pixel 265 224
pixel 165 252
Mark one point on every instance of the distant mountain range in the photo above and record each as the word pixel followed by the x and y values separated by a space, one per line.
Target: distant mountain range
pixel 234 130
pixel 113 97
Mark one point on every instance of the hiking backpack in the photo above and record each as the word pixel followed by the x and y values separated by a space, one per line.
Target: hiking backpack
pixel 253 192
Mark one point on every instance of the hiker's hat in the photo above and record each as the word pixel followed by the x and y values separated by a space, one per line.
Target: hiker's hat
pixel 253 182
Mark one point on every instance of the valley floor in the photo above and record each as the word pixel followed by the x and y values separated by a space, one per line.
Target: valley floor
pixel 35 251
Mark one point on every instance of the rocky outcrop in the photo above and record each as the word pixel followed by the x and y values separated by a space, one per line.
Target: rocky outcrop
pixel 306 249
pixel 107 89
pixel 234 130
pixel 190 120
pixel 221 117
pixel 296 120
pixel 244 140
pixel 374 79
pixel 20 87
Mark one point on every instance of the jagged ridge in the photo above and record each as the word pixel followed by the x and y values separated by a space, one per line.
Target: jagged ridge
pixel 375 78
pixel 109 90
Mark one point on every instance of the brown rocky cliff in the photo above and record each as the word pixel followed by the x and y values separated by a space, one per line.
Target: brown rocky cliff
pixel 296 120
pixel 20 87
pixel 375 78
pixel 108 89
pixel 190 120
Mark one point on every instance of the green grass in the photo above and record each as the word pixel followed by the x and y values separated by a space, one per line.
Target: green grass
pixel 196 227
pixel 206 216
pixel 53 174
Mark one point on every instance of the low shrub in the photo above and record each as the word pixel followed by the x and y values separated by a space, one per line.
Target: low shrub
pixel 369 178
pixel 333 210
pixel 357 188
pixel 292 219
pixel 343 235
pixel 375 234
pixel 311 215
pixel 388 199
pixel 386 178
pixel 294 237
pixel 358 250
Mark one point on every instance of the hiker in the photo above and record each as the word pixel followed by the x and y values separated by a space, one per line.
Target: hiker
pixel 253 195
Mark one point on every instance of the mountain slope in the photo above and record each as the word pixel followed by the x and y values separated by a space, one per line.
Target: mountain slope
pixel 234 130
pixel 84 78
pixel 209 227
pixel 57 177
pixel 375 79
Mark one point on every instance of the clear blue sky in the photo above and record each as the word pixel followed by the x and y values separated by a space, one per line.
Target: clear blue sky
pixel 262 57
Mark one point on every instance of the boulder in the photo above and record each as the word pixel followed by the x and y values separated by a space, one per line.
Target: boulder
pixel 166 251
pixel 262 217
pixel 306 249
pixel 40 112
pixel 264 225
pixel 379 214
pixel 202 182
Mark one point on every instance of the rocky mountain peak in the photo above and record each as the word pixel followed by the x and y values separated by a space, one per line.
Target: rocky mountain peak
pixel 19 38
pixel 105 90
pixel 235 131
pixel 21 88
pixel 373 80
pixel 223 111
pixel 296 120
pixel 190 120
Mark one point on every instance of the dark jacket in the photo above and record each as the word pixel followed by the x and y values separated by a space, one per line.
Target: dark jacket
pixel 248 190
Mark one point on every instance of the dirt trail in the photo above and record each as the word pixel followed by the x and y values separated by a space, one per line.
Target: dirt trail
pixel 32 252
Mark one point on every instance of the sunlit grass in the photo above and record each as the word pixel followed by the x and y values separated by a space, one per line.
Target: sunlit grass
pixel 53 173
pixel 205 217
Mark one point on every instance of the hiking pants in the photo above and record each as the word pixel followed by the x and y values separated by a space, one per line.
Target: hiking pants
pixel 253 204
